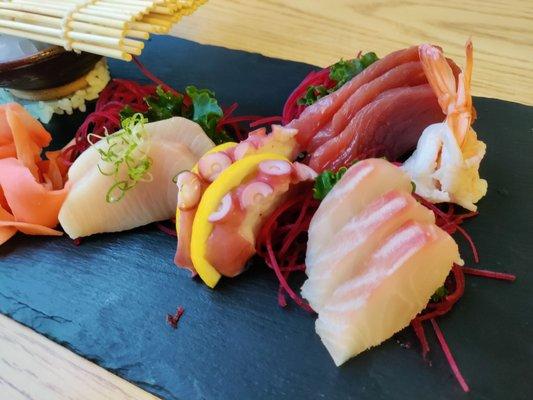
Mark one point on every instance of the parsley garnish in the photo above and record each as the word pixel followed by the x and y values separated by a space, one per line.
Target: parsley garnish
pixel 325 182
pixel 340 73
pixel 204 110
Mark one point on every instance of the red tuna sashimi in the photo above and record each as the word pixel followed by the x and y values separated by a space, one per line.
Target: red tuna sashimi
pixel 320 113
pixel 408 74
pixel 351 246
pixel 360 185
pixel 398 281
pixel 388 127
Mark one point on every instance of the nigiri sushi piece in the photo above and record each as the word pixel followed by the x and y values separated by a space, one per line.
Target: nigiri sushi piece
pixel 360 185
pixel 445 164
pixel 397 283
pixel 344 257
pixel 165 147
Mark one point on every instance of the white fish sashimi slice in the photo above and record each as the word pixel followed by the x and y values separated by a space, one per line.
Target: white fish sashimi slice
pixel 172 130
pixel 398 282
pixel 344 257
pixel 181 130
pixel 86 211
pixel 361 184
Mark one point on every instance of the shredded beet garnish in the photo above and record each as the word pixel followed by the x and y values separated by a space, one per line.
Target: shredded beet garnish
pixel 173 319
pixel 152 77
pixel 449 356
pixel 265 121
pixel 489 274
pixel 120 93
pixel 283 237
pixel 470 242
pixel 291 109
pixel 417 326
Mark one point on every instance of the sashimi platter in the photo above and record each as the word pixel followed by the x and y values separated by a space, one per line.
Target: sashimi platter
pixel 350 203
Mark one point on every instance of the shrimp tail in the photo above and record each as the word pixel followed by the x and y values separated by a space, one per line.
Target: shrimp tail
pixel 454 95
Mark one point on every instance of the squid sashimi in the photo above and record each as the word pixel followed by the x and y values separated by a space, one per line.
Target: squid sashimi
pixel 280 141
pixel 31 189
pixel 445 164
pixel 319 114
pixel 342 259
pixel 360 185
pixel 408 74
pixel 397 283
pixel 389 126
pixel 139 182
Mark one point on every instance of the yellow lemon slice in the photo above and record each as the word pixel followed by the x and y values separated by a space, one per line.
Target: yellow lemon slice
pixel 228 180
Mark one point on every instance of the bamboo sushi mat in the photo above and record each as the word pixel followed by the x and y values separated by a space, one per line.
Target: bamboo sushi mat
pixel 111 28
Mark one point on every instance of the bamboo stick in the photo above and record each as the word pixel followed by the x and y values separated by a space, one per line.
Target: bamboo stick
pixel 108 27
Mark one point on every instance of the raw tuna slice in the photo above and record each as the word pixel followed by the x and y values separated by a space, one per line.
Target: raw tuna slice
pixel 388 127
pixel 397 283
pixel 360 185
pixel 408 74
pixel 320 113
pixel 350 247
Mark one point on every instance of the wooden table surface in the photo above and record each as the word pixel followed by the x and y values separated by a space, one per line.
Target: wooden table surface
pixel 317 32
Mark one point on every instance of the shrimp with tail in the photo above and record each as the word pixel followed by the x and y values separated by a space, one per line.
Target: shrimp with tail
pixel 445 164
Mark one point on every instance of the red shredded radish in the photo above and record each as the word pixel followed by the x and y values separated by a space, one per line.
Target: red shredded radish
pixel 282 240
pixel 152 77
pixel 417 326
pixel 173 319
pixel 470 241
pixel 449 356
pixel 120 93
pixel 265 121
pixel 489 274
pixel 291 109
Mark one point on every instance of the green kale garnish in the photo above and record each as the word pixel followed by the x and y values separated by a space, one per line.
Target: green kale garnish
pixel 207 113
pixel 312 95
pixel 164 105
pixel 204 110
pixel 340 73
pixel 325 182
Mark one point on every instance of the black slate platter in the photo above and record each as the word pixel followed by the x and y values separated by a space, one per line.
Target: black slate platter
pixel 107 298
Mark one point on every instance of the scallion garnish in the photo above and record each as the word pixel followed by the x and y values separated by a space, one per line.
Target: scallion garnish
pixel 126 157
